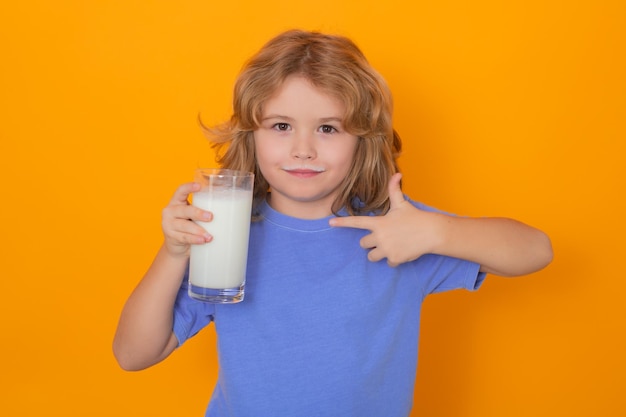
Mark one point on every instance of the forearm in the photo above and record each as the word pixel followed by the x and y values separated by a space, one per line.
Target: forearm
pixel 144 335
pixel 501 246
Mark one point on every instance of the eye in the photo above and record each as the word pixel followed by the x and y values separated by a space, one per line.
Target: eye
pixel 281 126
pixel 328 129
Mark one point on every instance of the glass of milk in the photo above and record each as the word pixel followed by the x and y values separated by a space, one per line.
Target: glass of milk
pixel 217 269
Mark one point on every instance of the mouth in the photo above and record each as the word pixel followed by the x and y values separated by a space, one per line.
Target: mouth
pixel 303 172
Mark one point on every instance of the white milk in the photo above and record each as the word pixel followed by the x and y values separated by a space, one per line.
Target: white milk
pixel 221 263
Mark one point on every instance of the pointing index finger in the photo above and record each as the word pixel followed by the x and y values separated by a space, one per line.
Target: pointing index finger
pixel 357 222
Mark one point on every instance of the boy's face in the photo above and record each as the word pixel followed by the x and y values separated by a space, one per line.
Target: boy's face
pixel 302 150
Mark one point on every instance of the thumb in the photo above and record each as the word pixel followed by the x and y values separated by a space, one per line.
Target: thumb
pixel 396 197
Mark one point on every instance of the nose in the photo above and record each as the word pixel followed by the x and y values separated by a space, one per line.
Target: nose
pixel 303 147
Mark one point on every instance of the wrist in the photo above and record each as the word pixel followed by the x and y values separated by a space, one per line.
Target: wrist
pixel 175 251
pixel 173 259
pixel 443 236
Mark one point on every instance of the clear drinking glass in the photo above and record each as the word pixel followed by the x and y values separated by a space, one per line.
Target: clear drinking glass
pixel 217 269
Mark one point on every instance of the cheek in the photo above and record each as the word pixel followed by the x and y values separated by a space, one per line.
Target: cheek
pixel 345 155
pixel 267 155
pixel 261 148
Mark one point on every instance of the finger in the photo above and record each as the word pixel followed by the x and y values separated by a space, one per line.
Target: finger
pixel 396 197
pixel 179 211
pixel 193 239
pixel 185 231
pixel 182 193
pixel 190 239
pixel 357 222
pixel 368 242
pixel 375 255
pixel 178 226
pixel 189 227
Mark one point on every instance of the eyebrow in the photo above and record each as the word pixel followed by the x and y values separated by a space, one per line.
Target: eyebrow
pixel 322 120
pixel 331 119
pixel 276 116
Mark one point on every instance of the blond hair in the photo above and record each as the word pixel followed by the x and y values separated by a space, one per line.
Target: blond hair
pixel 335 65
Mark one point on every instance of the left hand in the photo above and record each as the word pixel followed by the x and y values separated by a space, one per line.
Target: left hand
pixel 402 235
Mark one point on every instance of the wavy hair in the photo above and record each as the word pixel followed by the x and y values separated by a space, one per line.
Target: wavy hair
pixel 336 66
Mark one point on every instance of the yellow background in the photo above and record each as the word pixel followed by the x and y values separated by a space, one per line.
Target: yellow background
pixel 513 108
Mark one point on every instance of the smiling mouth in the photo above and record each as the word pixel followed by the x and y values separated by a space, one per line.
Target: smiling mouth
pixel 303 172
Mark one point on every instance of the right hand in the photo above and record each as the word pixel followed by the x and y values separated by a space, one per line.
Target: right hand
pixel 178 222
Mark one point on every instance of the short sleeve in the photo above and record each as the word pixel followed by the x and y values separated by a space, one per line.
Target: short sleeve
pixel 444 273
pixel 190 316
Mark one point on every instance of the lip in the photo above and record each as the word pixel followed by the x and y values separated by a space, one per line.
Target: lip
pixel 303 172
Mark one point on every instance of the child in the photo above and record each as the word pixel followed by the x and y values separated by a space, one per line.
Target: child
pixel 328 327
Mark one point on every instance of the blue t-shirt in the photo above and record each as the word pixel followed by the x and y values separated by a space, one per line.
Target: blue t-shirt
pixel 322 331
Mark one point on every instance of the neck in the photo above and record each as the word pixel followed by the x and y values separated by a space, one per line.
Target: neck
pixel 305 210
